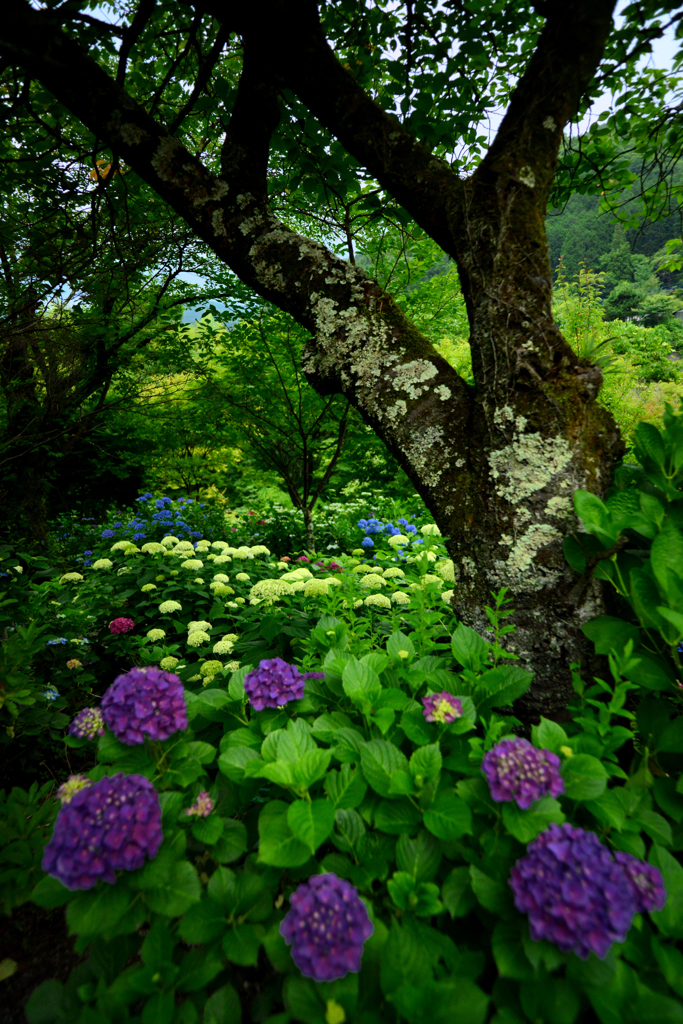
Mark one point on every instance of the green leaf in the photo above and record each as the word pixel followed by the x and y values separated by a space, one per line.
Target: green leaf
pixel 469 649
pixel 311 821
pixel 346 788
pixel 208 830
pixel 609 633
pixel 419 856
pixel 655 826
pixel 548 735
pixel 279 772
pixel 361 683
pixel 585 778
pixel 650 671
pixel 397 816
pixel 608 809
pixel 491 893
pixel 278 846
pixel 404 959
pixel 242 943
pixel 232 842
pixel 669 921
pixel 159 1008
pixel 449 817
pixel 501 686
pixel 666 558
pixel 157 949
pixel 203 922
pixel 508 951
pixel 311 767
pixel 415 727
pixel 295 741
pixel 303 1002
pixel 671 740
pixel 98 910
pixel 233 760
pixel 223 1007
pixel 526 825
pixel 176 895
pixel 379 759
pixel 426 762
pixel 574 554
pixel 400 642
pixel 350 829
pixel 49 893
pixel 45 1004
pixel 457 893
pixel 197 969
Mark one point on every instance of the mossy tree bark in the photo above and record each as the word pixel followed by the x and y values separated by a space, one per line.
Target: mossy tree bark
pixel 496 463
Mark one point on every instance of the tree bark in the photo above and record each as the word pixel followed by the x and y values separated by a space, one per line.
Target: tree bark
pixel 496 464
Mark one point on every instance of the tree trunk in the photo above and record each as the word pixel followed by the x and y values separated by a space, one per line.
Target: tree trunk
pixel 310 529
pixel 497 463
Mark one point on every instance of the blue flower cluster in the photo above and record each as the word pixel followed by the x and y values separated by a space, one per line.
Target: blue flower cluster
pixel 374 526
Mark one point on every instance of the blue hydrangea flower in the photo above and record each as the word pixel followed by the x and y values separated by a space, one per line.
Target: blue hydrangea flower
pixel 86 553
pixel 196 533
pixel 117 526
pixel 367 542
pixel 58 640
pixel 51 694
pixel 410 528
pixel 362 524
pixel 106 534
pixel 138 536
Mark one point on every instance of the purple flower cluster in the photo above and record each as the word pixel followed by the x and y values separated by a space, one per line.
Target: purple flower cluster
pixel 442 707
pixel 577 896
pixel 517 770
pixel 109 826
pixel 275 683
pixel 145 701
pixel 121 625
pixel 87 724
pixel 326 927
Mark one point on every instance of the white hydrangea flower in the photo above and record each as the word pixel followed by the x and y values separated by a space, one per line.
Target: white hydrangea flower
pixel 220 577
pixel 195 679
pixel 298 586
pixel 156 634
pixel 446 571
pixel 103 563
pixel 398 540
pixel 123 545
pixel 232 666
pixel 123 570
pixel 197 638
pixel 373 580
pixel 377 601
pixel 430 530
pixel 223 647
pixel 203 545
pixel 447 595
pixel 231 604
pixel 316 588
pixel 242 577
pixel 392 572
pixel 169 541
pixel 258 600
pixel 70 577
pixel 220 545
pixel 184 545
pixel 152 548
pixel 198 624
pixel 220 589
pixel 198 579
pixel 168 663
pixel 283 565
pixel 170 606
pixel 271 589
pixel 230 636
pixel 240 600
pixel 364 568
pixel 259 549
pixel 400 597
pixel 220 559
pixel 192 563
pixel 241 552
pixel 210 668
pixel 333 581
pixel 415 586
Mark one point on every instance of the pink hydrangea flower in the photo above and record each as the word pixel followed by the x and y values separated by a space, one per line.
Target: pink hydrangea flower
pixel 202 806
pixel 121 625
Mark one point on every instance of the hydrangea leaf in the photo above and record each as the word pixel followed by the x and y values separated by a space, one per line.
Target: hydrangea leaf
pixel 548 735
pixel 311 767
pixel 508 952
pixel 585 778
pixel 419 856
pixel 426 762
pixel 379 760
pixel 99 910
pixel 397 816
pixel 208 830
pixel 223 1007
pixel 176 895
pixel 493 894
pixel 311 821
pixel 449 817
pixel 526 825
pixel 278 846
pixel 346 788
pixel 203 922
pixel 457 893
pixel 242 943
pixel 233 760
pixel 232 843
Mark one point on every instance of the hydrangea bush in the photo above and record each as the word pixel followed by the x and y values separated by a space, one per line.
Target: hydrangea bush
pixel 353 824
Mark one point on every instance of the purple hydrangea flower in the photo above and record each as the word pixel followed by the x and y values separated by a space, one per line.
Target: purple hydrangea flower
pixel 326 927
pixel 145 701
pixel 517 770
pixel 109 826
pixel 576 895
pixel 87 724
pixel 442 707
pixel 275 683
pixel 645 882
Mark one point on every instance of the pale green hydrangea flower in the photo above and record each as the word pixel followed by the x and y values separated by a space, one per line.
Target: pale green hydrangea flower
pixel 197 638
pixel 220 577
pixel 156 634
pixel 240 600
pixel 184 545
pixel 447 595
pixel 242 577
pixel 220 545
pixel 372 580
pixel 160 579
pixel 103 563
pixel 212 557
pixel 198 579
pixel 198 624
pixel 355 604
pixel 123 570
pixel 297 574
pixel 231 604
pixel 377 601
pixel 398 540
pixel 210 668
pixel 259 549
pixel 241 552
pixel 152 548
pixel 358 552
pixel 167 607
pixel 298 586
pixel 71 577
pixel 232 666
pixel 223 647
pixel 146 587
pixel 220 589
pixel 258 600
pixel 168 663
pixel 446 571
pixel 400 597
pixel 195 679
pixel 123 545
pixel 203 545
pixel 360 569
pixel 430 530
pixel 393 572
pixel 221 559
pixel 169 540
pixel 316 588
pixel 431 578
pixel 192 563
pixel 283 565
pixel 271 589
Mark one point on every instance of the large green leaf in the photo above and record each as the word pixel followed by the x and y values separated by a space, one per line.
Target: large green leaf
pixel 278 846
pixel 176 895
pixel 379 760
pixel 311 821
pixel 526 825
pixel 585 778
pixel 449 817
pixel 346 787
